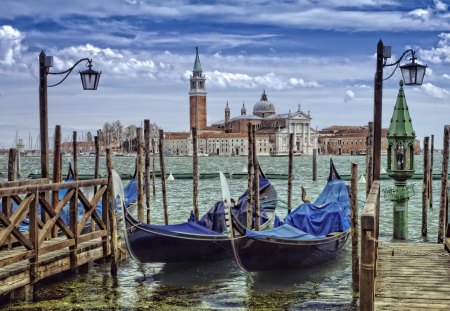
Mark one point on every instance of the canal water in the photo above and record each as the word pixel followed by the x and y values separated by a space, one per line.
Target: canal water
pixel 222 285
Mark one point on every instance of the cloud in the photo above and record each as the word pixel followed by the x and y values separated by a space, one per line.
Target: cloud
pixel 440 54
pixel 349 95
pixel 440 6
pixel 446 76
pixel 10 45
pixel 435 91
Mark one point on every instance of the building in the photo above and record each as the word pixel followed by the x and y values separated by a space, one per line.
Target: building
pixel 350 140
pixel 229 136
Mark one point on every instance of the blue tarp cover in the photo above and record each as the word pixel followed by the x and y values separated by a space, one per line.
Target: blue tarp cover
pixel 214 219
pixel 130 192
pixel 329 213
pixel 285 231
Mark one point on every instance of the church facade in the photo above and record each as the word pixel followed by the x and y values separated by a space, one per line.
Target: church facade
pixel 229 137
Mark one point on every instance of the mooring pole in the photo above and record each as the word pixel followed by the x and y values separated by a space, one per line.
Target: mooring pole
pixel 444 184
pixel 354 228
pixel 163 175
pixel 250 177
pixel 314 165
pixel 369 158
pixel 291 154
pixel 426 172
pixel 140 193
pixel 153 168
pixel 97 160
pixel 7 201
pixel 195 172
pixel 147 167
pixel 256 180
pixel 430 179
pixel 75 157
pixel 112 216
pixel 56 172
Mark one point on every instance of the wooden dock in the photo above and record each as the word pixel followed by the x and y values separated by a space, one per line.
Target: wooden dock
pixel 416 277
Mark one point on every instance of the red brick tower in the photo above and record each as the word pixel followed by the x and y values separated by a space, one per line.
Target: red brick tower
pixel 197 96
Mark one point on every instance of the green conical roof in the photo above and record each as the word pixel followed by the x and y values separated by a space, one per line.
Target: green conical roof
pixel 401 125
pixel 197 65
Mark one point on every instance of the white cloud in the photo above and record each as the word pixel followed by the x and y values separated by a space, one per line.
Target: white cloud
pixel 422 14
pixel 349 95
pixel 440 6
pixel 446 76
pixel 440 54
pixel 10 45
pixel 435 91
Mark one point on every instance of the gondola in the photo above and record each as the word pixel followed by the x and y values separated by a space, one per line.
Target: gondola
pixel 310 235
pixel 195 240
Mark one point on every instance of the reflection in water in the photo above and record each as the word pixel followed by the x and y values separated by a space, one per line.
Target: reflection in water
pixel 219 285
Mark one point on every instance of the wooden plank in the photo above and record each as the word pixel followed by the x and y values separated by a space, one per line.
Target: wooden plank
pixel 92 235
pixel 13 257
pixel 415 278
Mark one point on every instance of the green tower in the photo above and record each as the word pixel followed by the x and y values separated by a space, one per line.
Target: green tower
pixel 400 164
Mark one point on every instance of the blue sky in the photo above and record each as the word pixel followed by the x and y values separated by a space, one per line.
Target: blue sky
pixel 320 54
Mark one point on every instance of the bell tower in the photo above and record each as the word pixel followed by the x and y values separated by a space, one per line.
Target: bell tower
pixel 197 96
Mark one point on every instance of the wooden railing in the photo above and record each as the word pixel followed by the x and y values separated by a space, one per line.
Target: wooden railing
pixel 32 198
pixel 369 247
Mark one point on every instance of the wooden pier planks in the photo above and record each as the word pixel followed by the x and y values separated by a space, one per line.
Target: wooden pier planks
pixel 409 281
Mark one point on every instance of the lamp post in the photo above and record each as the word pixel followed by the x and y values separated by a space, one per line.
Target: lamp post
pixel 89 79
pixel 412 73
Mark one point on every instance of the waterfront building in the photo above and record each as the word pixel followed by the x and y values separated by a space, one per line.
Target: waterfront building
pixel 228 137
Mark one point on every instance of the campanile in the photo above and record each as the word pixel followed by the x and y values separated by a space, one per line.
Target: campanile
pixel 197 96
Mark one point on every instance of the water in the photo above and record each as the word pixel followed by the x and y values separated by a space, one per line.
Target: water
pixel 222 285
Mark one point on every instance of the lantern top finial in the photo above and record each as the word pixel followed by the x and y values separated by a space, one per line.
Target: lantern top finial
pixel 401 83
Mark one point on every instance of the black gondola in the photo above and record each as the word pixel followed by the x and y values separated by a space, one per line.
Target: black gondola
pixel 195 240
pixel 302 240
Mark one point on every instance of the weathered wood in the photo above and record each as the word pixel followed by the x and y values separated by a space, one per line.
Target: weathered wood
pixel 73 223
pixel 430 178
pixel 56 170
pixel 97 159
pixel 147 168
pixel 163 175
pixel 354 228
pixel 52 213
pixel 153 167
pixel 6 202
pixel 444 184
pixel 368 248
pixel 75 155
pixel 43 111
pixel 250 177
pixel 105 219
pixel 18 183
pixel 291 154
pixel 314 165
pixel 369 158
pixel 195 173
pixel 415 278
pixel 140 192
pixel 16 217
pixel 256 180
pixel 112 216
pixel 51 187
pixel 426 171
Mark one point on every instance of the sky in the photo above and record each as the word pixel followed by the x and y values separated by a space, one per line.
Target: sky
pixel 317 54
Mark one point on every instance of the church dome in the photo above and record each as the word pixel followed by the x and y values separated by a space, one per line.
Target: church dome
pixel 264 107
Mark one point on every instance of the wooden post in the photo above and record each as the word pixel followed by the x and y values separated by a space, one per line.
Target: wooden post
pixel 43 119
pixel 153 168
pixel 256 179
pixel 112 216
pixel 195 172
pixel 426 172
pixel 56 172
pixel 6 200
pixel 73 223
pixel 34 238
pixel 444 184
pixel 314 165
pixel 163 175
pixel 354 228
pixel 291 154
pixel 140 193
pixel 250 177
pixel 369 158
pixel 377 112
pixel 18 164
pixel 75 158
pixel 430 179
pixel 147 167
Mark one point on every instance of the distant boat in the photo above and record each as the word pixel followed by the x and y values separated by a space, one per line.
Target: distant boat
pixel 244 170
pixel 362 180
pixel 170 177
pixel 201 154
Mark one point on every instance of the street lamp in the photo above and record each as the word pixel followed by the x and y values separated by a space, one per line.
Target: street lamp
pixel 89 79
pixel 412 73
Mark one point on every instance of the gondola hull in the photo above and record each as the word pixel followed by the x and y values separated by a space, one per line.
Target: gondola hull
pixel 254 254
pixel 162 246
